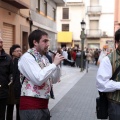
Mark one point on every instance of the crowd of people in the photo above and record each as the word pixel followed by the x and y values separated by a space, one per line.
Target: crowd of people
pixel 90 55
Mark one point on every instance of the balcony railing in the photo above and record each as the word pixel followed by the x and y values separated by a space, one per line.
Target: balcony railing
pixel 17 3
pixel 93 33
pixel 94 10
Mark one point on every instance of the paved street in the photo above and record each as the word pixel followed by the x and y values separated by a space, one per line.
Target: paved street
pixel 75 95
pixel 79 101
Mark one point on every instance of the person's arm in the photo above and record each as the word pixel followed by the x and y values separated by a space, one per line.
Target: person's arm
pixel 56 75
pixel 32 71
pixel 104 84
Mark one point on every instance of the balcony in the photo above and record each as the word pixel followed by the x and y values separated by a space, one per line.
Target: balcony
pixel 93 33
pixel 59 2
pixel 94 10
pixel 17 3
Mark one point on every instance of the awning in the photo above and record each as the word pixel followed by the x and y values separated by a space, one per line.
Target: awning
pixel 64 37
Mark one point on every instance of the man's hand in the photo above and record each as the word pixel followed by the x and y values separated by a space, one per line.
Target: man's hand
pixel 58 58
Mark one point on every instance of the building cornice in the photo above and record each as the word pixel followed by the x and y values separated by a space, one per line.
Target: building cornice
pixel 44 27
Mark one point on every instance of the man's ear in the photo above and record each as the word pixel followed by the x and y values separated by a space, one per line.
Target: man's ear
pixel 35 42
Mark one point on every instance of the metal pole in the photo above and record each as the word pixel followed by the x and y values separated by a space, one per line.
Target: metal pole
pixel 82 50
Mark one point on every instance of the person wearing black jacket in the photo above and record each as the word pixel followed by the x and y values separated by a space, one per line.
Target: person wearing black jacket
pixel 15 87
pixel 6 67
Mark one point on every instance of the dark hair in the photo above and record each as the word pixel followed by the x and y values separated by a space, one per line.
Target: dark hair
pixel 35 35
pixel 13 48
pixel 117 35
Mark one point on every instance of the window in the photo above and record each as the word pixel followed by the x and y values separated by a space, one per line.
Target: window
pixel 65 13
pixel 54 14
pixel 45 7
pixel 65 27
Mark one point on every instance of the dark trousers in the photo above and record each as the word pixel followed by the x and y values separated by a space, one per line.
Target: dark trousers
pixel 3 103
pixel 96 60
pixel 113 111
pixel 39 114
pixel 10 109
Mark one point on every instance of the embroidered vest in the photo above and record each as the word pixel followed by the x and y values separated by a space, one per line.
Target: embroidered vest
pixel 28 88
pixel 115 62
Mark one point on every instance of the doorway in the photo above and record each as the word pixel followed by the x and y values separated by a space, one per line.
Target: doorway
pixel 24 41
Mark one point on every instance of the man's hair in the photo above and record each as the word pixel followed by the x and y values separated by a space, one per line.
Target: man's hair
pixel 35 35
pixel 13 47
pixel 117 35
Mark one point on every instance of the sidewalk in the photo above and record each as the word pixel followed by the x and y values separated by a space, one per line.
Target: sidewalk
pixel 79 101
pixel 70 76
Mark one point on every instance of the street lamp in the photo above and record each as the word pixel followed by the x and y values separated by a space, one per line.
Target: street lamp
pixel 82 36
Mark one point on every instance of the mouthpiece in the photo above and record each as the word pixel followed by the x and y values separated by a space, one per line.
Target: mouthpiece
pixel 52 52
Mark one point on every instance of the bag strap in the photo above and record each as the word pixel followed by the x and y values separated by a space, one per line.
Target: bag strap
pixel 24 76
pixel 115 73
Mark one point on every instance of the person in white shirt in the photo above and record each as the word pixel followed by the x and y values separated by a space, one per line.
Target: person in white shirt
pixel 103 53
pixel 104 82
pixel 37 77
pixel 65 54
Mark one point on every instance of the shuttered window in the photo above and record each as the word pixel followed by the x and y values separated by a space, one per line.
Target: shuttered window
pixel 94 2
pixel 94 24
pixel 8 36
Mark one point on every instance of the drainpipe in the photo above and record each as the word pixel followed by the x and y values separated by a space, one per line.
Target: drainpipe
pixel 30 23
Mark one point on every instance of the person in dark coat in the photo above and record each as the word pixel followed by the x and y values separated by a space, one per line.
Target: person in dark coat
pixel 6 67
pixel 15 87
pixel 78 58
pixel 96 56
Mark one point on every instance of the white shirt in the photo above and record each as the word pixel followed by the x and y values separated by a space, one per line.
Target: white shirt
pixel 33 72
pixel 104 84
pixel 103 53
pixel 65 54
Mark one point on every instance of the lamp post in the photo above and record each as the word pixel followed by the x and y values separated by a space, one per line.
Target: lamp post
pixel 82 36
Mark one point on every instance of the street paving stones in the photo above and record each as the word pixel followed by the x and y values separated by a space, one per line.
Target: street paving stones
pixel 79 103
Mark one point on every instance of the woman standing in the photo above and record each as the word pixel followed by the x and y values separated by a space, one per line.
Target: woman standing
pixel 15 87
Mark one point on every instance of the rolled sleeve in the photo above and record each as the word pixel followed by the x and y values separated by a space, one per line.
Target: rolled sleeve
pixel 32 71
pixel 103 83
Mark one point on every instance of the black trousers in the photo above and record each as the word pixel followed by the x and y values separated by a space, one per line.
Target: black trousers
pixel 39 114
pixel 96 60
pixel 3 103
pixel 10 109
pixel 113 111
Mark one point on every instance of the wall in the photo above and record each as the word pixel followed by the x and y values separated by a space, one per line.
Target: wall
pixel 106 24
pixel 76 14
pixel 12 15
pixel 43 22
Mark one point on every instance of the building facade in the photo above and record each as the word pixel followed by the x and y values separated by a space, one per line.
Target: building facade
pixel 14 27
pixel 117 15
pixel 69 17
pixel 20 17
pixel 99 23
pixel 43 17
